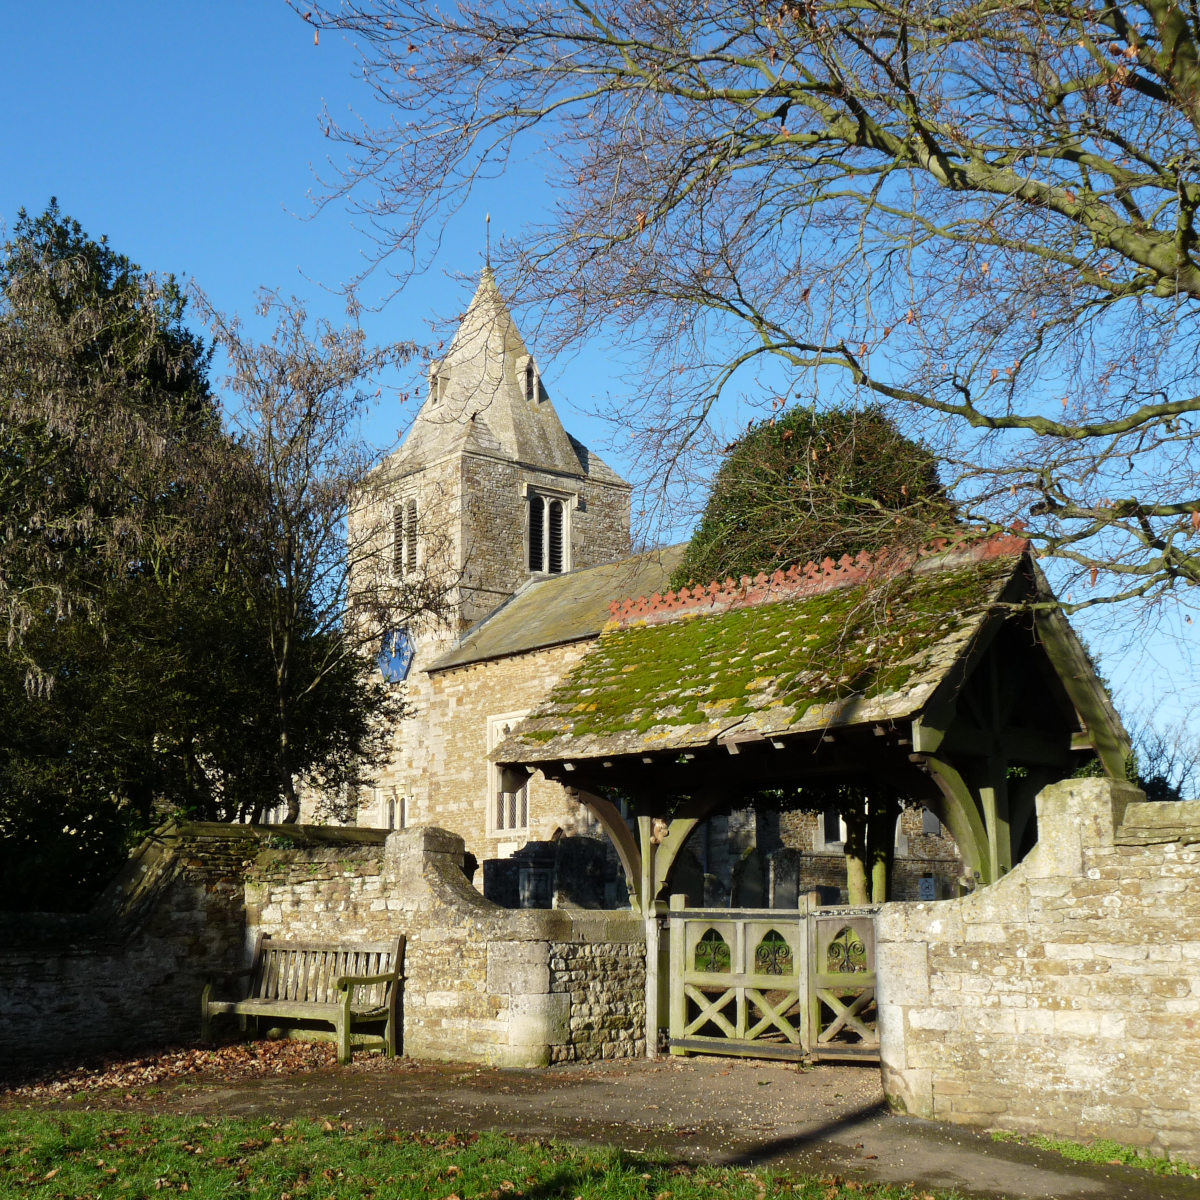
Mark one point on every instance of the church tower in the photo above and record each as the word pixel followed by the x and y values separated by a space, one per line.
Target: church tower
pixel 486 496
pixel 489 482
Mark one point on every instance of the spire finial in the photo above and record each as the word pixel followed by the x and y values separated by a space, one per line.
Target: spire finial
pixel 487 225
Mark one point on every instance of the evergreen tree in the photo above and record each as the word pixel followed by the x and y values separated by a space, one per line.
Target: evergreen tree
pixel 809 485
pixel 801 487
pixel 109 438
pixel 138 675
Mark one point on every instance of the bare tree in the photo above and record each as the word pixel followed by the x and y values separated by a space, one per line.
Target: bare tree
pixel 316 566
pixel 1166 755
pixel 981 214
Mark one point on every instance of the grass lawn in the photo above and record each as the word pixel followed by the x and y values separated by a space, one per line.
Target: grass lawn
pixel 1105 1151
pixel 73 1156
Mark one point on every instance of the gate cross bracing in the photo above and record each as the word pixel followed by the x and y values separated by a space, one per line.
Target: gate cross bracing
pixel 773 983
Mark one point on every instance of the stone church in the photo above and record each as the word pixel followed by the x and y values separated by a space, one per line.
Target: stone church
pixel 530 531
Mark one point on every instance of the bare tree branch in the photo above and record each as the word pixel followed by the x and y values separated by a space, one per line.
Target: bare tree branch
pixel 982 214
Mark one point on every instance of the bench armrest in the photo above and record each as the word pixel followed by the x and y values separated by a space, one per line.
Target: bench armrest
pixel 348 981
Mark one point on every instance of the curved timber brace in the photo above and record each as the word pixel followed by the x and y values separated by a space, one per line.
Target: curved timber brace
pixel 963 817
pixel 648 859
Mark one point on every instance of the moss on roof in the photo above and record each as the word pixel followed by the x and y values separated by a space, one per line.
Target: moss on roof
pixel 853 653
pixel 562 608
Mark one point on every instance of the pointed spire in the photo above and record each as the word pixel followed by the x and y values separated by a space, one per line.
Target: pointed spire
pixel 479 394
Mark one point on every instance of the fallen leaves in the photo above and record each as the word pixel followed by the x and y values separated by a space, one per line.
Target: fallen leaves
pixel 240 1060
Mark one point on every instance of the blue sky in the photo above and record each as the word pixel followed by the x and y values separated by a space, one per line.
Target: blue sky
pixel 189 134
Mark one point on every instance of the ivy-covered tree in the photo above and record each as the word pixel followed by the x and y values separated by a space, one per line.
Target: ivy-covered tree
pixel 808 484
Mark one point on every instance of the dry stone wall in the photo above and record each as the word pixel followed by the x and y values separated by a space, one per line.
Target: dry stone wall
pixel 1065 998
pixel 128 974
pixel 484 984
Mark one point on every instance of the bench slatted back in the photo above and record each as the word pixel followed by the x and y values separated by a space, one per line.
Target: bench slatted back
pixel 308 972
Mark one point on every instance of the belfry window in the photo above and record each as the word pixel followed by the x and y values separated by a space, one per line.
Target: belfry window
pixel 404 538
pixel 547 534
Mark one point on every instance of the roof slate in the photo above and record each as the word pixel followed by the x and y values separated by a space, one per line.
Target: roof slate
pixel 562 608
pixel 857 651
pixel 481 407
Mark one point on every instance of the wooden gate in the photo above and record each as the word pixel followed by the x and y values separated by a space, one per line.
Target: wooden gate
pixel 773 983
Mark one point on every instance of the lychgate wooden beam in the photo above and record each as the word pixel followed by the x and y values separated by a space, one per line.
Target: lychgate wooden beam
pixel 993 799
pixel 613 824
pixel 962 816
pixel 1105 732
pixel 648 847
pixel 679 829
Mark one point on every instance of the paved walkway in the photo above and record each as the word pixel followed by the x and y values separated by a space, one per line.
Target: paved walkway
pixel 829 1120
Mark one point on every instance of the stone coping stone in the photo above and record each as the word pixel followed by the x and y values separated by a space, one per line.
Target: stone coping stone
pixel 1158 822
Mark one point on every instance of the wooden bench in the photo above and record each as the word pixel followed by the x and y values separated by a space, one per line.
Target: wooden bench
pixel 345 986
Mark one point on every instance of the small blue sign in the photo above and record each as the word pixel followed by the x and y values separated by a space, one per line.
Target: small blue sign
pixel 395 656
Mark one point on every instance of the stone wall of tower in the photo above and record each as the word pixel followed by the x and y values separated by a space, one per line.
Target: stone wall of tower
pixel 495 527
pixel 436 490
pixel 473 518
pixel 600 529
pixel 493 535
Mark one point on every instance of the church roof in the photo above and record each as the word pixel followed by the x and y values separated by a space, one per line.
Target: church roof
pixel 562 608
pixel 841 644
pixel 480 405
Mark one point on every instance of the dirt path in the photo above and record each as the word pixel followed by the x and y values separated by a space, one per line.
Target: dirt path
pixel 830 1119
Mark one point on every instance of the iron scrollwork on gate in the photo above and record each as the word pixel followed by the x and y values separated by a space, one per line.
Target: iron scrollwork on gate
pixel 712 954
pixel 773 955
pixel 846 954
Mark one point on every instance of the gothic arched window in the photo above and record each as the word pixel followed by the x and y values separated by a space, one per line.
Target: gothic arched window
pixel 404 538
pixel 547 534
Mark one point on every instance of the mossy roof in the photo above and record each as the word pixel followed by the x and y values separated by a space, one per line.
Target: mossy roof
pixel 562 608
pixel 865 652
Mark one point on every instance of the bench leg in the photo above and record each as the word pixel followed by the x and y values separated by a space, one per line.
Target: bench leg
pixel 389 1030
pixel 343 1027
